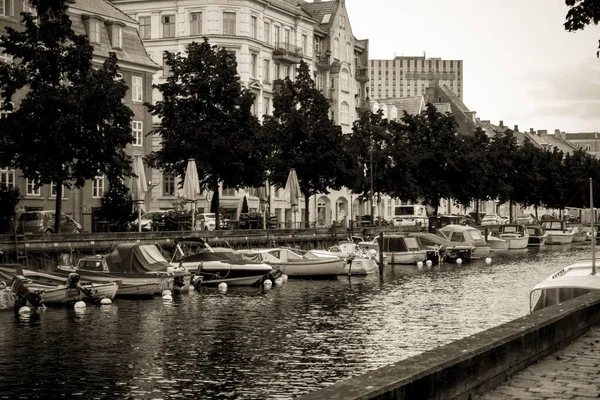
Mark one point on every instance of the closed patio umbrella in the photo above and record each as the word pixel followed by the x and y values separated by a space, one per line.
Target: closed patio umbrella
pixel 139 187
pixel 191 186
pixel 263 198
pixel 293 188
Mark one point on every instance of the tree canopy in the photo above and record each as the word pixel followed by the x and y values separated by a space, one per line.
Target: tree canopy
pixel 206 114
pixel 301 135
pixel 71 125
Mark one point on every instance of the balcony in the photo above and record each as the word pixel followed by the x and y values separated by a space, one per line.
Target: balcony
pixel 288 53
pixel 323 61
pixel 362 74
pixel 362 105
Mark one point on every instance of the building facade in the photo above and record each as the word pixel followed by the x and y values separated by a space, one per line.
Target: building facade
pixel 109 30
pixel 411 76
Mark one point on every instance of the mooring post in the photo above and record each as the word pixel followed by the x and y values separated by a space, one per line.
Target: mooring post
pixel 381 255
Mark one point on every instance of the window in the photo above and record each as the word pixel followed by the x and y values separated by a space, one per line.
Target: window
pixel 7 178
pixel 253 65
pixel 344 80
pixel 228 23
pixel 32 190
pixel 98 187
pixel 227 191
pixel 196 23
pixel 168 185
pixel 137 130
pixel 3 113
pixel 276 35
pixel 6 8
pixel 348 53
pixel 304 44
pixel 336 48
pixel 166 68
pixel 286 36
pixel 254 27
pixel 267 105
pixel 277 71
pixel 288 71
pixel 266 71
pixel 317 45
pixel 267 33
pixel 145 27
pixel 117 37
pixel 344 113
pixel 168 26
pixel 320 82
pixel 93 30
pixel 53 190
pixel 137 88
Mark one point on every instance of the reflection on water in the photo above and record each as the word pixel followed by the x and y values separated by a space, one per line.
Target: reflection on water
pixel 248 344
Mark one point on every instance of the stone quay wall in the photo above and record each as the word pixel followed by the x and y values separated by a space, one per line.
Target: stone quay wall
pixel 474 365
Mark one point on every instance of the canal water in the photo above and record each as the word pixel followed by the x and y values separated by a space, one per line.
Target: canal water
pixel 252 344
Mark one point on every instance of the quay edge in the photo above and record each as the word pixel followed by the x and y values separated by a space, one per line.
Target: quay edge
pixel 471 366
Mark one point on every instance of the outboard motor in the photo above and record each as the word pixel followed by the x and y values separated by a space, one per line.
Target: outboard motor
pixel 73 280
pixel 23 294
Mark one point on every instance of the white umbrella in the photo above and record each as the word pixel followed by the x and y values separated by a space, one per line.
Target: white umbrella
pixel 191 186
pixel 293 188
pixel 139 187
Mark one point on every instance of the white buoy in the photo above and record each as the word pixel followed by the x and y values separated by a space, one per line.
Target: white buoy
pixel 284 277
pixel 222 287
pixel 488 260
pixel 278 281
pixel 166 292
pixel 80 305
pixel 459 261
pixel 24 310
pixel 268 284
pixel 167 297
pixel 105 302
pixel 429 263
pixel 420 264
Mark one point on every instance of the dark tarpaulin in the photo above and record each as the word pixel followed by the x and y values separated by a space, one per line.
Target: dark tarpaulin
pixel 136 258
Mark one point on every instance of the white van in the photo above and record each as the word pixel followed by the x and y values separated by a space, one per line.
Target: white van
pixel 205 221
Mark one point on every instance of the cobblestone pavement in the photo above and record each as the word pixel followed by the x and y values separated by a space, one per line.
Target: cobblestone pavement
pixel 571 373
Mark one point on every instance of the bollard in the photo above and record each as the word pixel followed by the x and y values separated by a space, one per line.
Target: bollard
pixel 381 255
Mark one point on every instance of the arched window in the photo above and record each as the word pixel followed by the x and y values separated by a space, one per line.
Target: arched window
pixel 344 113
pixel 344 80
pixel 336 48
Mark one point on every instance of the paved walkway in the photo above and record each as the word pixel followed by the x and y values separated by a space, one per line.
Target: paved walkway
pixel 571 373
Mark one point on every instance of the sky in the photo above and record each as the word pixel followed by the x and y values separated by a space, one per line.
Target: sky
pixel 520 65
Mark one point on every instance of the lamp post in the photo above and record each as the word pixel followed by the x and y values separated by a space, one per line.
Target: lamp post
pixel 371 196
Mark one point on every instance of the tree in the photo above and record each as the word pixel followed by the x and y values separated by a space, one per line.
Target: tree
pixel 529 178
pixel 9 198
pixel 432 140
pixel 206 114
pixel 301 136
pixel 581 14
pixel 244 205
pixel 368 147
pixel 117 206
pixel 71 125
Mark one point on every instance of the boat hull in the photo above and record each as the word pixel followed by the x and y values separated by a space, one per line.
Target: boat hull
pixel 360 266
pixel 239 281
pixel 517 243
pixel 7 300
pixel 405 257
pixel 481 251
pixel 320 268
pixel 498 244
pixel 61 295
pixel 537 241
pixel 559 238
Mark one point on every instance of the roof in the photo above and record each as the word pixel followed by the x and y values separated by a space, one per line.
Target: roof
pixel 582 136
pixel 101 7
pixel 319 9
pixel 454 98
pixel 443 107
pixel 133 50
pixel 292 6
pixel 412 105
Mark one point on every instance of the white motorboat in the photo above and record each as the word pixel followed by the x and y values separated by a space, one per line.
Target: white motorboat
pixel 496 243
pixel 358 262
pixel 537 236
pixel 515 234
pixel 557 232
pixel 464 234
pixel 297 263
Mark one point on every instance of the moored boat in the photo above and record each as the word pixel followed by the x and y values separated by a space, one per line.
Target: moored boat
pixel 297 263
pixel 441 249
pixel 515 234
pixel 358 261
pixel 557 232
pixel 537 235
pixel 7 298
pixel 464 234
pixel 400 249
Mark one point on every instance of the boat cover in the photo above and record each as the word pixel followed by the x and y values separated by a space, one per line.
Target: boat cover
pixel 136 258
pixel 575 282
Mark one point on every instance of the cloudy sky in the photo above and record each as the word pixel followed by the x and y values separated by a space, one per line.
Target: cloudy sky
pixel 520 65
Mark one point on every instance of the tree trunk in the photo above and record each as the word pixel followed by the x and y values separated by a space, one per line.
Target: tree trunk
pixel 214 204
pixel 306 211
pixel 477 212
pixel 536 212
pixel 58 207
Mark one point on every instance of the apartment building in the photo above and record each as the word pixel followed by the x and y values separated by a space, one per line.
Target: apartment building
pixel 411 76
pixel 109 30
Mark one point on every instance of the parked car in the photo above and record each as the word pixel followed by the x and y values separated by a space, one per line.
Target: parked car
pixel 43 222
pixel 526 219
pixel 150 221
pixel 206 221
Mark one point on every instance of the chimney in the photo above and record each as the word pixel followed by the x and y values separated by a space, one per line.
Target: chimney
pixel 501 124
pixel 516 128
pixel 532 131
pixel 558 134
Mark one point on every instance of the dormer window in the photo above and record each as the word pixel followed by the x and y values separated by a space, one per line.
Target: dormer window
pixel 115 31
pixel 93 30
pixel 117 37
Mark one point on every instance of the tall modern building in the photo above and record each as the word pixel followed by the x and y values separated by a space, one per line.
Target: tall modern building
pixel 411 76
